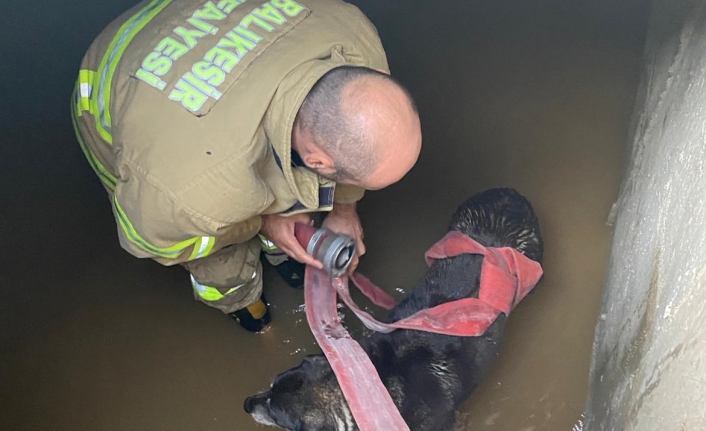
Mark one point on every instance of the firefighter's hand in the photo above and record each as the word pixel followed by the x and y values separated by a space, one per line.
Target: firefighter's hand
pixel 344 219
pixel 280 230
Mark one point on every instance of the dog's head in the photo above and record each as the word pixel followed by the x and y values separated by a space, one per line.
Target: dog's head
pixel 500 218
pixel 304 398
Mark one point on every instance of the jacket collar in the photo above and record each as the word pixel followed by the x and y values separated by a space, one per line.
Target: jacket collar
pixel 279 122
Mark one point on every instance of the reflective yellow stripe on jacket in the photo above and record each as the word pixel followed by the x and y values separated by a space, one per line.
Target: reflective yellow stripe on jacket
pixel 80 105
pixel 100 103
pixel 92 92
pixel 84 91
pixel 92 95
pixel 203 245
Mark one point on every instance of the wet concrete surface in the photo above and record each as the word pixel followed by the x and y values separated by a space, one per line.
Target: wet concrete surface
pixel 531 95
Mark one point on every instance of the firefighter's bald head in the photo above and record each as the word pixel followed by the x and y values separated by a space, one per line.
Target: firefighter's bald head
pixel 358 126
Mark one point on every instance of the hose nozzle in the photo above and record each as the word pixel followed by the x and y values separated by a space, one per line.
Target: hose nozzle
pixel 334 250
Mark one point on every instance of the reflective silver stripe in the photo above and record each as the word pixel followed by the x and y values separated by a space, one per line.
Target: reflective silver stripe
pixel 117 47
pixel 86 89
pixel 203 245
pixel 198 286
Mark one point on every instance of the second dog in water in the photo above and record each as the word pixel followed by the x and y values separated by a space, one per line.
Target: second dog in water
pixel 428 375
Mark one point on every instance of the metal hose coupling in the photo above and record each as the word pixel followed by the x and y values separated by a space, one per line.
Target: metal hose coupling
pixel 334 250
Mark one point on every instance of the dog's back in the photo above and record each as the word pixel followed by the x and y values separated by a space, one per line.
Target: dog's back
pixel 499 217
pixel 439 372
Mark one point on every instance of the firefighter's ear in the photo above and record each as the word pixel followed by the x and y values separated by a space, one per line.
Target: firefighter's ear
pixel 319 161
pixel 311 154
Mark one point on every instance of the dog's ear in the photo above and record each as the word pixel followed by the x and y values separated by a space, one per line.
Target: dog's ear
pixel 315 367
pixel 313 360
pixel 290 382
pixel 314 363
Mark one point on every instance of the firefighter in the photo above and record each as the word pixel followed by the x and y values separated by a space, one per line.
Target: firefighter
pixel 215 126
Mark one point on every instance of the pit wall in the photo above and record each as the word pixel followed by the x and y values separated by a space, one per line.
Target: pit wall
pixel 649 362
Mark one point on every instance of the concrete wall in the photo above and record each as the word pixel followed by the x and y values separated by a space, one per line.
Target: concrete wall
pixel 649 365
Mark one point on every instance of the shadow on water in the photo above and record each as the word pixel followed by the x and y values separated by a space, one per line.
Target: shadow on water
pixel 531 95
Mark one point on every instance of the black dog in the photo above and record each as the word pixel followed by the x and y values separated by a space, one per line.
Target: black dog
pixel 428 375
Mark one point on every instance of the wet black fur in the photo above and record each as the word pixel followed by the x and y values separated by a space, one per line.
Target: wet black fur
pixel 428 375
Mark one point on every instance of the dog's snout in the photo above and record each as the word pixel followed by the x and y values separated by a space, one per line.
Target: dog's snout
pixel 253 402
pixel 249 405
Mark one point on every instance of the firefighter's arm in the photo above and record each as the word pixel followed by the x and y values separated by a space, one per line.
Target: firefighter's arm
pixel 153 225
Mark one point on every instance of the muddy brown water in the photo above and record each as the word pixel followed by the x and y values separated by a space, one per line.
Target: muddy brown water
pixel 532 95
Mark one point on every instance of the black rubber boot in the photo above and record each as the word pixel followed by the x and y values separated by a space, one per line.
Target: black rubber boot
pixel 291 271
pixel 254 317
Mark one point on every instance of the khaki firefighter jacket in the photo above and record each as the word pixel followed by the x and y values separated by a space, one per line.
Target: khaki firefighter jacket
pixel 185 109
